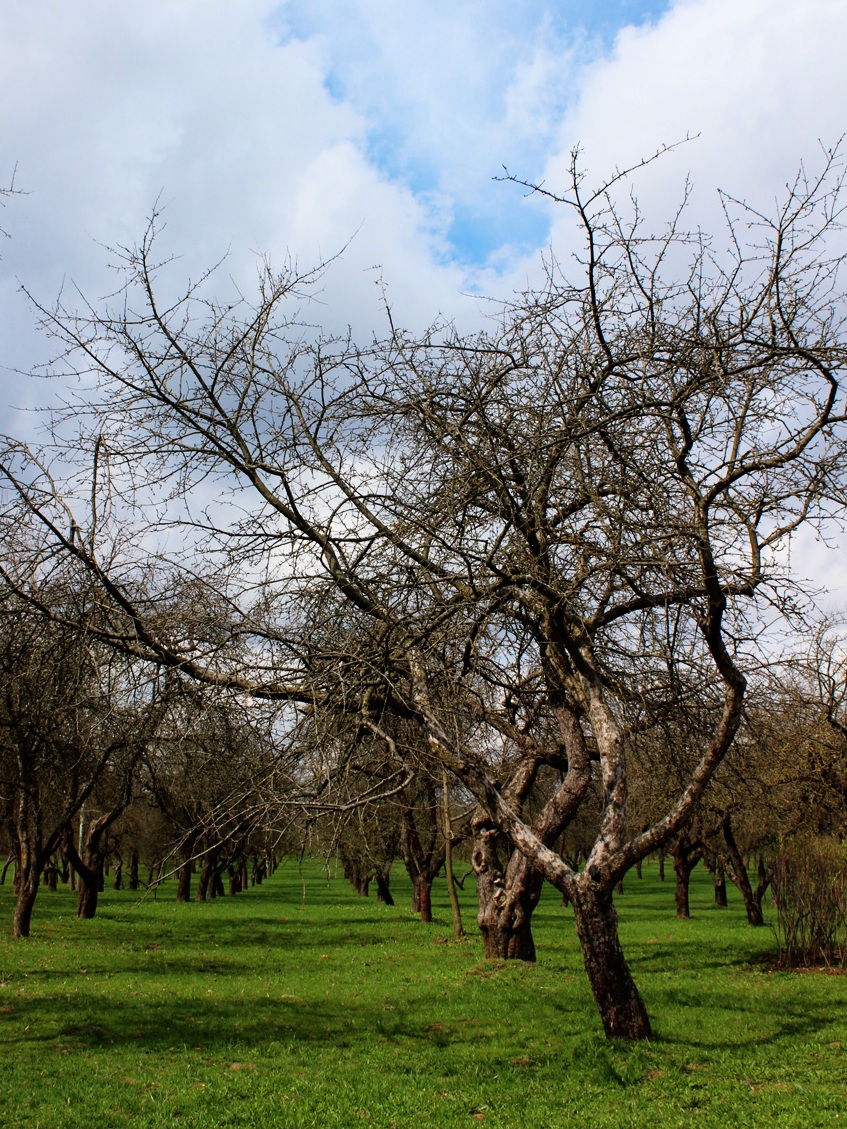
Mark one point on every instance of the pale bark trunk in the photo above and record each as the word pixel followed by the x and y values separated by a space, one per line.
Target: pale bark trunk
pixel 506 902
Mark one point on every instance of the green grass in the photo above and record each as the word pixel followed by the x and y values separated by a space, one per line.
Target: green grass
pixel 300 1004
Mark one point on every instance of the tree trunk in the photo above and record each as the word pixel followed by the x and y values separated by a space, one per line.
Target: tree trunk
pixel 416 893
pixel 9 862
pixel 89 891
pixel 622 1010
pixel 383 893
pixel 183 890
pixel 133 870
pixel 88 870
pixel 681 891
pixel 205 883
pixel 719 881
pixel 119 870
pixel 425 897
pixel 506 902
pixel 24 905
pixel 686 855
pixel 740 877
pixel 458 930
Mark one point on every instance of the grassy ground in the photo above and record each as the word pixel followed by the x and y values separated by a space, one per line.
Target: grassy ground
pixel 299 1004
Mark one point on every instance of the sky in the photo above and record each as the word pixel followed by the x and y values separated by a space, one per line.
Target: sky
pixel 378 129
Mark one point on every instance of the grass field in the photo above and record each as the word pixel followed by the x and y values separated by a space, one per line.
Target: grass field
pixel 299 1004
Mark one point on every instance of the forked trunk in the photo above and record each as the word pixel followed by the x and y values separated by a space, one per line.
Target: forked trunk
pixel 622 1010
pixel 686 855
pixel 741 878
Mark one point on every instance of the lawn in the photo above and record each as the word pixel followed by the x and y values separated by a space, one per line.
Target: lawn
pixel 298 1003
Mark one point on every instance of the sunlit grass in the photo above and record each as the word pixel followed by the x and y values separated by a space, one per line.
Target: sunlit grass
pixel 300 1004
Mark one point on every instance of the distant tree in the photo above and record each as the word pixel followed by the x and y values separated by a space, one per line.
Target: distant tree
pixel 67 718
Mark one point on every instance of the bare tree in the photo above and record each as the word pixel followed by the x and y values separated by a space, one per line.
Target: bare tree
pixel 548 526
pixel 68 717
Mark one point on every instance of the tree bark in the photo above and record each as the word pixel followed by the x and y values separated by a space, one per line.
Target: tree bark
pixel 183 889
pixel 27 892
pixel 205 882
pixel 506 902
pixel 740 877
pixel 686 855
pixel 89 869
pixel 719 882
pixel 622 1010
pixel 423 888
pixel 133 870
pixel 458 930
pixel 383 892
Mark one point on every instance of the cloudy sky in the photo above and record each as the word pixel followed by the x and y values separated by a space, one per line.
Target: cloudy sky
pixel 379 126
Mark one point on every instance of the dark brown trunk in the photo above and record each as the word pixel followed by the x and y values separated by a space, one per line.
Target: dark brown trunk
pixel 661 866
pixel 719 883
pixel 425 896
pixel 119 871
pixel 205 883
pixel 52 875
pixel 622 1010
pixel 183 889
pixel 383 893
pixel 686 855
pixel 740 877
pixel 24 905
pixel 416 894
pixel 86 906
pixel 88 871
pixel 133 870
pixel 681 892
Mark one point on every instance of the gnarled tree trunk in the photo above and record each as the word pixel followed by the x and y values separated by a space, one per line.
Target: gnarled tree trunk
pixel 506 901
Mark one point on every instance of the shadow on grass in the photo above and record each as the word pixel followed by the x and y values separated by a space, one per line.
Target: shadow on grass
pixel 155 1026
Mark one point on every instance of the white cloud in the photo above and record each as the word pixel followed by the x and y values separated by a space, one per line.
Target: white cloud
pixel 270 127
